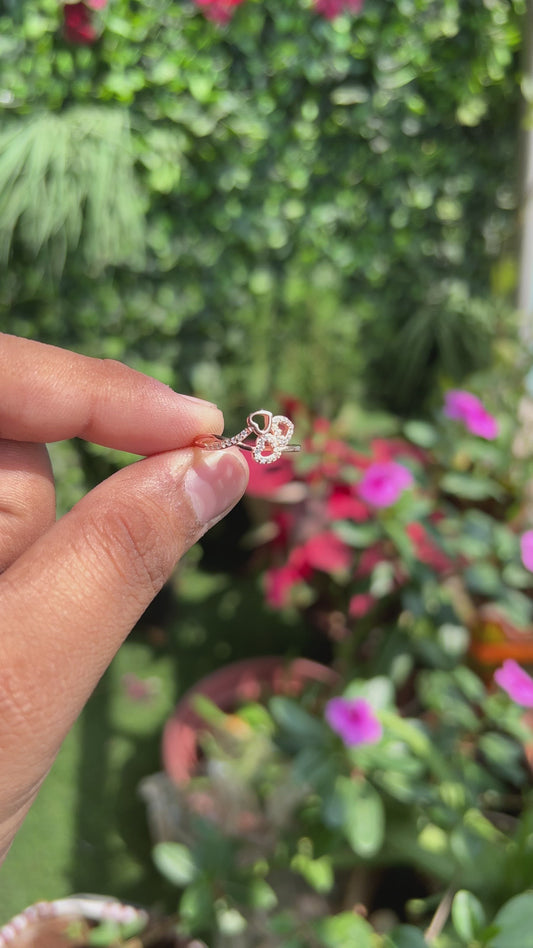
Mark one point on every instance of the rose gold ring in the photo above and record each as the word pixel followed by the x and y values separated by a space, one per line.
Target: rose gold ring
pixel 272 434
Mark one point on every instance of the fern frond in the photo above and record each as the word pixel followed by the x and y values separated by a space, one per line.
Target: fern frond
pixel 68 180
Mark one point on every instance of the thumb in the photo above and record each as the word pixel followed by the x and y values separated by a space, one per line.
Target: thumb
pixel 70 600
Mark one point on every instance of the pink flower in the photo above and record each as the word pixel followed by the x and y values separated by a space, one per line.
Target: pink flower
pixel 526 549
pixel 465 407
pixel 383 483
pixel 360 604
pixel 220 11
pixel 353 720
pixel 96 4
pixel 516 682
pixel 332 8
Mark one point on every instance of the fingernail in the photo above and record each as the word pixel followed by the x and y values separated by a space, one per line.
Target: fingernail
pixel 215 483
pixel 199 401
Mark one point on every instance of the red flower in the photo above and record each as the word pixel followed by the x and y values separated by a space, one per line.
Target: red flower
pixel 334 454
pixel 368 560
pixel 78 27
pixel 266 479
pixel 220 11
pixel 426 550
pixel 280 581
pixel 323 551
pixel 391 449
pixel 332 8
pixel 360 604
pixel 342 505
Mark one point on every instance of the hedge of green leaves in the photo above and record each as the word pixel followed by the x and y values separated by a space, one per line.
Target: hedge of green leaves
pixel 283 203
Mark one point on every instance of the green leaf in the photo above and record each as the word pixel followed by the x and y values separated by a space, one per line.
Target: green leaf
pixel 483 578
pixel 111 933
pixel 505 755
pixel 317 872
pixel 515 923
pixel 175 862
pixel 357 535
pixel 471 487
pixel 468 915
pixel 196 904
pixel 405 936
pixel 361 814
pixel 261 895
pixel 378 691
pixel 346 928
pixel 106 934
pixel 230 921
pixel 296 721
pixel 421 433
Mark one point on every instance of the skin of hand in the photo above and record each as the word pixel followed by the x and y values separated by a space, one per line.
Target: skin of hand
pixel 71 590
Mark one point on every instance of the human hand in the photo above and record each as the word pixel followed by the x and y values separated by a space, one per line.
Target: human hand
pixel 71 591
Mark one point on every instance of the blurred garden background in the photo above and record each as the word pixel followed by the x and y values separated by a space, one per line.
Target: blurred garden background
pixel 307 205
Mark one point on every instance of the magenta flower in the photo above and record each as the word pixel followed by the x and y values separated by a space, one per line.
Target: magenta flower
pixel 353 720
pixel 516 682
pixel 463 406
pixel 526 549
pixel 383 482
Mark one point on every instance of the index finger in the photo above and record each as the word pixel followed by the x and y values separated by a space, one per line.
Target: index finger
pixel 50 394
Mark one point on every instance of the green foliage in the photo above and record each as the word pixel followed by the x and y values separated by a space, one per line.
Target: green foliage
pixel 67 174
pixel 348 184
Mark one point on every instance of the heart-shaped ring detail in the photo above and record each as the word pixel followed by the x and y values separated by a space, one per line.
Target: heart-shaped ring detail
pixel 271 444
pixel 266 449
pixel 267 418
pixel 272 433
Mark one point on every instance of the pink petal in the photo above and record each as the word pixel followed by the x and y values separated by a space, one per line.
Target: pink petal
pixel 353 720
pixel 360 604
pixel 383 483
pixel 466 407
pixel 516 682
pixel 526 549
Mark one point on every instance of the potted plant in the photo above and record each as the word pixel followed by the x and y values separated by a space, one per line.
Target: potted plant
pixel 418 519
pixel 389 807
pixel 347 819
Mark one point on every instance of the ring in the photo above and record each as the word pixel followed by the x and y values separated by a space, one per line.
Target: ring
pixel 272 437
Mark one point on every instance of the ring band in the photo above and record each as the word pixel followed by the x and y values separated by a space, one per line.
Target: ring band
pixel 272 438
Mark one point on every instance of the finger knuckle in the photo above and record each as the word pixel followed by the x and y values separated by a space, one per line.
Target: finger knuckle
pixel 131 540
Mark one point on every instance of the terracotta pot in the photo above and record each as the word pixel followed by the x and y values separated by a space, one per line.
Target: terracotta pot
pixel 250 680
pixel 47 924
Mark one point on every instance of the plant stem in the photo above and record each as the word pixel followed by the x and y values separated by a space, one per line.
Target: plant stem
pixel 440 917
